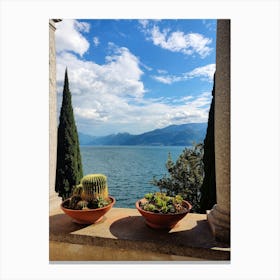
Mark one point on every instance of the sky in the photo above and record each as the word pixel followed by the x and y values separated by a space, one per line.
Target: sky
pixel 136 75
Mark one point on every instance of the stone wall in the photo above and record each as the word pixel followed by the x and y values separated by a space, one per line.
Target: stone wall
pixel 54 200
pixel 219 216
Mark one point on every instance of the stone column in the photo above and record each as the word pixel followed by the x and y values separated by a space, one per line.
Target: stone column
pixel 54 200
pixel 219 216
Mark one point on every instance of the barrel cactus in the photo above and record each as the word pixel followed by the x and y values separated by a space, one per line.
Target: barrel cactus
pixel 91 193
pixel 94 186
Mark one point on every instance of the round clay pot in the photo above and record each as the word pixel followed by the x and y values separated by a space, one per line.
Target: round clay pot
pixel 89 216
pixel 163 221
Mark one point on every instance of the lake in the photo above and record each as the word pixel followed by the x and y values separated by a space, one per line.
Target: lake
pixel 129 169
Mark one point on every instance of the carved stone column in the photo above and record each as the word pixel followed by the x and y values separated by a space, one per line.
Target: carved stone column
pixel 219 216
pixel 54 200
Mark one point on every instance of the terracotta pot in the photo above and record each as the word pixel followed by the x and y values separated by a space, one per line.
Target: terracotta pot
pixel 90 216
pixel 163 221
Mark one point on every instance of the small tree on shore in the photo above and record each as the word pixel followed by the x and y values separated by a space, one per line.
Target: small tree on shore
pixel 69 165
pixel 185 176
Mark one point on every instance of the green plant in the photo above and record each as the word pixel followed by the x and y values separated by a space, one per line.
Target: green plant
pixel 94 186
pixel 92 193
pixel 160 202
pixel 69 169
pixel 208 187
pixel 185 176
pixel 73 202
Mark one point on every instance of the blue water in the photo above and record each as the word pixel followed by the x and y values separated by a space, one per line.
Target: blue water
pixel 129 169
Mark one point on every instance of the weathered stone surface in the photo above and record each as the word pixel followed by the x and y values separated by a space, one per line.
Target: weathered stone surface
pixel 125 229
pixel 219 216
pixel 60 251
pixel 54 200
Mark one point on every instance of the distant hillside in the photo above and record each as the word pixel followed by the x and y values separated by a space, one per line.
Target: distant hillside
pixel 173 135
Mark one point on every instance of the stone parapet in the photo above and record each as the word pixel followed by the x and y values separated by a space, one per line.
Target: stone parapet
pixel 122 235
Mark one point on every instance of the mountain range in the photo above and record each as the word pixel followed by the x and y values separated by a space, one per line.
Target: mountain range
pixel 173 135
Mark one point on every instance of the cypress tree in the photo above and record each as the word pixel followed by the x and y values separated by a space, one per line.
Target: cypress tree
pixel 208 188
pixel 69 165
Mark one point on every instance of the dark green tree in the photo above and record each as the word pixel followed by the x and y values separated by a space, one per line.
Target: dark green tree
pixel 69 169
pixel 208 188
pixel 185 176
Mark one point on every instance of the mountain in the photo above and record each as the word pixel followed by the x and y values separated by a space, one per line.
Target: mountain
pixel 173 135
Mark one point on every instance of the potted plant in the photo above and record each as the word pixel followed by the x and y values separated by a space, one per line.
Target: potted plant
pixel 162 211
pixel 90 200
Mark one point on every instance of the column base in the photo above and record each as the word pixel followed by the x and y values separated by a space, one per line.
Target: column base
pixel 54 201
pixel 219 222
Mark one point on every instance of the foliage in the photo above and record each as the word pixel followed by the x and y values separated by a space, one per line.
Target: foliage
pixel 208 188
pixel 69 165
pixel 161 203
pixel 185 176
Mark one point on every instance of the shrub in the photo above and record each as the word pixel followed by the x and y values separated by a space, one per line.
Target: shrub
pixel 185 176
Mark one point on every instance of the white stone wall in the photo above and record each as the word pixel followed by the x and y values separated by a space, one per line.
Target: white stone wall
pixel 53 197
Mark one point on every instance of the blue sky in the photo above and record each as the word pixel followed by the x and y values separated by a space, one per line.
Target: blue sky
pixel 136 75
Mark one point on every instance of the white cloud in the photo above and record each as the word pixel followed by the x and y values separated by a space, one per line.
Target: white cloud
pixel 178 41
pixel 69 37
pixel 104 102
pixel 164 79
pixel 205 73
pixel 101 93
pixel 109 98
pixel 161 71
pixel 120 75
pixel 96 41
pixel 210 24
pixel 144 22
pixel 82 26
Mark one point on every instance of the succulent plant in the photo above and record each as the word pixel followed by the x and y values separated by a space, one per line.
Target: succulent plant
pixel 74 200
pixel 161 203
pixel 94 186
pixel 82 204
pixel 92 193
pixel 77 190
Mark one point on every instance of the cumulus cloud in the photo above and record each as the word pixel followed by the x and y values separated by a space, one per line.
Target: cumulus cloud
pixel 205 73
pixel 101 93
pixel 105 102
pixel 69 36
pixel 120 75
pixel 177 41
pixel 111 97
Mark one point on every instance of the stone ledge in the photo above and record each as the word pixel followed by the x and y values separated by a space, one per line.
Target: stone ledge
pixel 124 230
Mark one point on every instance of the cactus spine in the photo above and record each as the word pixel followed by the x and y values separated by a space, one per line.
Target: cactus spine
pixel 94 186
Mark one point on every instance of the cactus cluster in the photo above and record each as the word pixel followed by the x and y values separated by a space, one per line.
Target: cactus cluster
pixel 161 203
pixel 92 193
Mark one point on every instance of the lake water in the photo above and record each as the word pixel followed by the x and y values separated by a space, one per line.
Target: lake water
pixel 129 169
